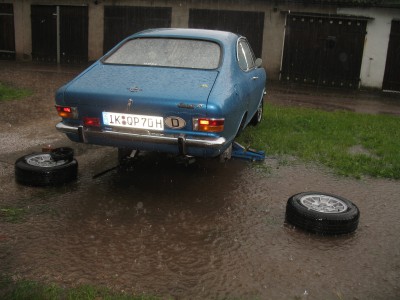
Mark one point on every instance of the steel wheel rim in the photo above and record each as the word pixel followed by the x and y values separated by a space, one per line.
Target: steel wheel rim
pixel 43 160
pixel 324 203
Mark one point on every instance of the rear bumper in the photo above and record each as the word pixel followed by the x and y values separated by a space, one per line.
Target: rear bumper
pixel 89 135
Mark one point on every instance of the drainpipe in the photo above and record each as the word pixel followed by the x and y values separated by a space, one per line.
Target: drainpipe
pixel 283 44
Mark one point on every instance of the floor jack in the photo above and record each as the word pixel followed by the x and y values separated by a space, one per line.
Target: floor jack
pixel 239 151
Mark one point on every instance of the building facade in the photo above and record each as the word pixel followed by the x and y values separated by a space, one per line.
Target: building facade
pixel 341 43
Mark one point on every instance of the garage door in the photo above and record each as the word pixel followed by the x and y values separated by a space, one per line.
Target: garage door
pixel 323 50
pixel 122 21
pixel 59 33
pixel 391 81
pixel 44 33
pixel 7 41
pixel 248 24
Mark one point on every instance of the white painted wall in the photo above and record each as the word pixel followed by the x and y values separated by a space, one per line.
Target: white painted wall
pixel 376 43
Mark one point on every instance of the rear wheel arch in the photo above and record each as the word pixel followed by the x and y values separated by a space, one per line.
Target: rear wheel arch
pixel 242 124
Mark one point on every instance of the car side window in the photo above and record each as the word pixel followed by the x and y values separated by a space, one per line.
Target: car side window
pixel 245 55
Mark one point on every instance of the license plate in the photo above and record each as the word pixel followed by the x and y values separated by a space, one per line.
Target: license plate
pixel 133 121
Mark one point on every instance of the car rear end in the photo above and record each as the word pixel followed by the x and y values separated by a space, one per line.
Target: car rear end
pixel 148 102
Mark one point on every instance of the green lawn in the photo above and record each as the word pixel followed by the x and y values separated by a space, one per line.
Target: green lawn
pixel 351 144
pixel 28 290
pixel 10 93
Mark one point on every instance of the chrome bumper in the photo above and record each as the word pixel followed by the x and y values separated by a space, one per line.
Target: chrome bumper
pixel 181 140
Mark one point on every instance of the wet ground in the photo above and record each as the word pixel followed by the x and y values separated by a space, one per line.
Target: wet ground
pixel 206 231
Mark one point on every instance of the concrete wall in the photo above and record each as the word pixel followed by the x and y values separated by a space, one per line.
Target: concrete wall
pixel 22 27
pixel 376 44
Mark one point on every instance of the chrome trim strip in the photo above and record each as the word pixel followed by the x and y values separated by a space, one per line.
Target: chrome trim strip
pixel 206 142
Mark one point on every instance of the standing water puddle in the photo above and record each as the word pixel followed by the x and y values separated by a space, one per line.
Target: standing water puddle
pixel 208 231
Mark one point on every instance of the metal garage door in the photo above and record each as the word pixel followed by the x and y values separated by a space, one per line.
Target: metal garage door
pixel 323 50
pixel 122 21
pixel 7 39
pixel 391 81
pixel 247 23
pixel 59 33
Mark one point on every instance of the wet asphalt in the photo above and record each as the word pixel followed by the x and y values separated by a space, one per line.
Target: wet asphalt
pixel 204 231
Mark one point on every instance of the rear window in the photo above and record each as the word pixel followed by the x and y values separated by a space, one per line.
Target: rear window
pixel 179 53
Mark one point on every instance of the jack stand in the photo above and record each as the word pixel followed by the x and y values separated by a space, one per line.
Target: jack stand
pixel 239 151
pixel 185 160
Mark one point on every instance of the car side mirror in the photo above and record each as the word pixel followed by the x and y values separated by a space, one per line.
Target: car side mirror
pixel 258 62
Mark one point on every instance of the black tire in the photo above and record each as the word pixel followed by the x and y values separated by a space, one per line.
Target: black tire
pixel 63 153
pixel 40 169
pixel 257 118
pixel 322 213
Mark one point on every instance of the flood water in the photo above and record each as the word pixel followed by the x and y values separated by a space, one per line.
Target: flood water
pixel 205 231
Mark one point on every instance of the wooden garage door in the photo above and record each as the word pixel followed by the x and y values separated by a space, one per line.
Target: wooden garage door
pixel 44 33
pixel 65 40
pixel 391 81
pixel 73 34
pixel 246 23
pixel 7 39
pixel 323 50
pixel 122 21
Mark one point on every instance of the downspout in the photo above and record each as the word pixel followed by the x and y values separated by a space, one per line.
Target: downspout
pixel 283 46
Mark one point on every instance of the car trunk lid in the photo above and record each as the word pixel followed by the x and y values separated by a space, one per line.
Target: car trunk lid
pixel 147 90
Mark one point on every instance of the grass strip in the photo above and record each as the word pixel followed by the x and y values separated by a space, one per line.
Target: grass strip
pixel 28 290
pixel 351 144
pixel 12 214
pixel 10 93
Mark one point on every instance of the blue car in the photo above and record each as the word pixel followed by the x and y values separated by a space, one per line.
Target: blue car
pixel 182 91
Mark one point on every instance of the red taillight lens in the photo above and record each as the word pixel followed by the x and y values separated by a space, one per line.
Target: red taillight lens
pixel 91 122
pixel 208 124
pixel 67 112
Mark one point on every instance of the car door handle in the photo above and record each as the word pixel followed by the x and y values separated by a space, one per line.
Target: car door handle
pixel 254 78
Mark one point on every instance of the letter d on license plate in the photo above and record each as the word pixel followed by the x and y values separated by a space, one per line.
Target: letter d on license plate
pixel 133 121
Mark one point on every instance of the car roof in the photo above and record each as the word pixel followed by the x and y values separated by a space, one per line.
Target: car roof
pixel 204 34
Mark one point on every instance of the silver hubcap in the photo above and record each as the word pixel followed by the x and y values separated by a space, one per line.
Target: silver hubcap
pixel 43 160
pixel 324 204
pixel 259 112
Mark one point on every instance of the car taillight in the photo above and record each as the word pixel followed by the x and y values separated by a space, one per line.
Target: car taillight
pixel 208 124
pixel 91 122
pixel 67 112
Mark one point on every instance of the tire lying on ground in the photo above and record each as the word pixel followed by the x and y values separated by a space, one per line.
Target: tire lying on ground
pixel 43 169
pixel 322 213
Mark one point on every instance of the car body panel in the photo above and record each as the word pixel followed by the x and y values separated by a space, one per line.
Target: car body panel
pixel 225 92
